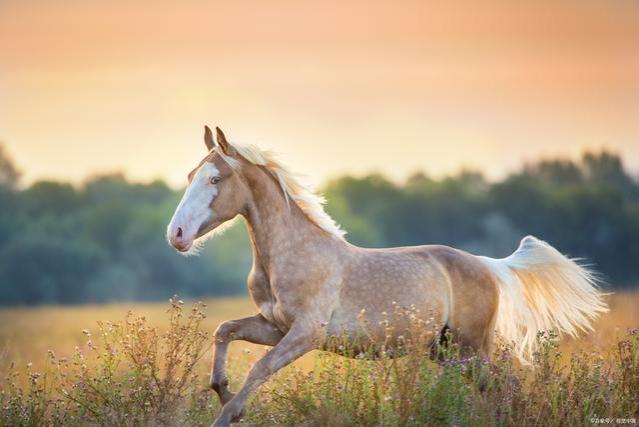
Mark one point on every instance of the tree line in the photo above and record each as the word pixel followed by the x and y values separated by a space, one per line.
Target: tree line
pixel 105 239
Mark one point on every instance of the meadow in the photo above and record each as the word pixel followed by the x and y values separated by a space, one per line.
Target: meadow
pixel 94 364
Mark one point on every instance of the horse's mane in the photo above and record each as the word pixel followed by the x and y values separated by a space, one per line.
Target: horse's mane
pixel 309 202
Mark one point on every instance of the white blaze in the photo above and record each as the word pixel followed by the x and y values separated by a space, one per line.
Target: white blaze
pixel 193 210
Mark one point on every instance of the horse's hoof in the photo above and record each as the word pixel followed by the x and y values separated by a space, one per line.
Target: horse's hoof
pixel 238 417
pixel 221 423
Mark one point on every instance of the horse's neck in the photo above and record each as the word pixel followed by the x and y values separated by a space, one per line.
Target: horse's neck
pixel 276 229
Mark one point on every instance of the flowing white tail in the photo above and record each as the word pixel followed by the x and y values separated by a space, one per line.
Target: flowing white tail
pixel 540 290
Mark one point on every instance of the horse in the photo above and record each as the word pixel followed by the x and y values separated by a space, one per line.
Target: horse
pixel 309 283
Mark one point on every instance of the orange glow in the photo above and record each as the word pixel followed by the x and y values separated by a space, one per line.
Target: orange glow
pixel 89 87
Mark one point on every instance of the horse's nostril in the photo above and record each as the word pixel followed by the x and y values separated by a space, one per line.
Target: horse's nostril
pixel 179 232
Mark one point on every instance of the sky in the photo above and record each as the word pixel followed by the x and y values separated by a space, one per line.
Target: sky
pixel 334 87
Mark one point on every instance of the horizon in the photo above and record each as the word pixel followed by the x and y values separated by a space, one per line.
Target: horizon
pixel 318 184
pixel 334 89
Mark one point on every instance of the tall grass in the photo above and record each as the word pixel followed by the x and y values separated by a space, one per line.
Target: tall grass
pixel 131 373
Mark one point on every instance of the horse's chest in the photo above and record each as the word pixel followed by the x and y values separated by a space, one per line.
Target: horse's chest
pixel 265 297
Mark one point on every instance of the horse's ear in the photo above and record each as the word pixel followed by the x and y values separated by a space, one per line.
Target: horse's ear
pixel 208 138
pixel 223 143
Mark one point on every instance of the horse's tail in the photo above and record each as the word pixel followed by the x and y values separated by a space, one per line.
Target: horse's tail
pixel 540 290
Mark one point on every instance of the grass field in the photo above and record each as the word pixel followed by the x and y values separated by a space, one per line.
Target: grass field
pixel 27 335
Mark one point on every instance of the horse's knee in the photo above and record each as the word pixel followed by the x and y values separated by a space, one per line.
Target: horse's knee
pixel 226 331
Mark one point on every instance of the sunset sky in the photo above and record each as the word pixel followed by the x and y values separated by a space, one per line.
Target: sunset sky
pixel 334 87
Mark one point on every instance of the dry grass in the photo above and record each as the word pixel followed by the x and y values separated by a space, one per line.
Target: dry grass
pixel 306 392
pixel 27 333
pixel 609 328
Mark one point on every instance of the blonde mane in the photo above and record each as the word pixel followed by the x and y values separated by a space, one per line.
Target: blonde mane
pixel 310 203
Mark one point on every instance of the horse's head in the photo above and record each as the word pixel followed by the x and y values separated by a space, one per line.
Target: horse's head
pixel 215 194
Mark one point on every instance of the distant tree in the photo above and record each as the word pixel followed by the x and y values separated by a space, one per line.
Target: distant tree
pixel 9 174
pixel 50 197
pixel 361 231
pixel 10 200
pixel 105 240
pixel 446 211
pixel 558 172
pixel 607 169
pixel 40 269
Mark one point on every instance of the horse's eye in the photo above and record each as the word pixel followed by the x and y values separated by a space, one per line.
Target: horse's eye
pixel 215 179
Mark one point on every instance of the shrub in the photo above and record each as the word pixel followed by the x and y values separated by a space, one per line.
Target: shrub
pixel 130 375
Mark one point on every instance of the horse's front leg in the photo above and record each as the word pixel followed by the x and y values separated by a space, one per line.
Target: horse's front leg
pixel 254 329
pixel 301 338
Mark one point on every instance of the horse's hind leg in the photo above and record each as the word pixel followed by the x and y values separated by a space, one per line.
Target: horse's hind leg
pixel 255 329
pixel 473 315
pixel 474 342
pixel 475 338
pixel 440 343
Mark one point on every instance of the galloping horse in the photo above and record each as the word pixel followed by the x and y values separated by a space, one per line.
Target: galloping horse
pixel 310 284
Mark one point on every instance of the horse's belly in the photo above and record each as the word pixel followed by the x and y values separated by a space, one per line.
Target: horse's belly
pixel 363 322
pixel 387 293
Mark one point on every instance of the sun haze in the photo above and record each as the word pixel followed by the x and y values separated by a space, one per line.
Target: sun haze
pixel 335 87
